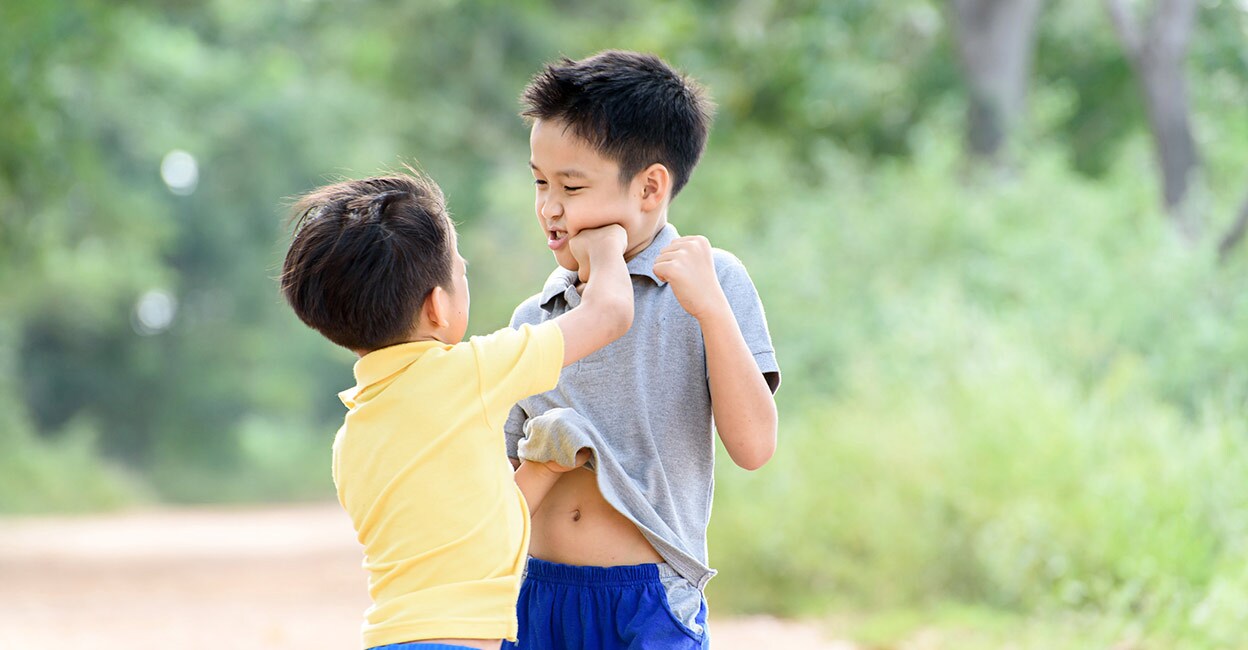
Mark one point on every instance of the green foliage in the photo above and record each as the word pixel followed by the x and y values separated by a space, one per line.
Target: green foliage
pixel 1028 412
pixel 66 475
pixel 1019 394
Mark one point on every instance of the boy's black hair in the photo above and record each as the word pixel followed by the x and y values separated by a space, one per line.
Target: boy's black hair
pixel 630 107
pixel 365 255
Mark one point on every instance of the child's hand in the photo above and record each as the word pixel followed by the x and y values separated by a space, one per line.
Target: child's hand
pixel 609 240
pixel 582 457
pixel 536 478
pixel 688 267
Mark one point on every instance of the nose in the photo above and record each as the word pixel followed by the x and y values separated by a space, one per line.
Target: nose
pixel 550 209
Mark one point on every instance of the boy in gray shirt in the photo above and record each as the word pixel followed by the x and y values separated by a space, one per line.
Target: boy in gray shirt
pixel 618 550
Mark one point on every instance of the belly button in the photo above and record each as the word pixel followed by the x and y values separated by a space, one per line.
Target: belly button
pixel 576 515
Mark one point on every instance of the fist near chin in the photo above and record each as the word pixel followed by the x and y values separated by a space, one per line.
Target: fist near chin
pixel 608 240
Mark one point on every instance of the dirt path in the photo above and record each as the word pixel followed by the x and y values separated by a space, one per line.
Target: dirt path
pixel 265 578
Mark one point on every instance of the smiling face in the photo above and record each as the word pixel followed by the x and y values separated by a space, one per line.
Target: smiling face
pixel 578 189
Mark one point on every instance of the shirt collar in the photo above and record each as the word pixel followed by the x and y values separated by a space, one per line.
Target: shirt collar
pixel 642 264
pixel 379 365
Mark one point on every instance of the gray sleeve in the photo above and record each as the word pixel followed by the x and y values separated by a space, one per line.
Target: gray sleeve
pixel 513 430
pixel 751 318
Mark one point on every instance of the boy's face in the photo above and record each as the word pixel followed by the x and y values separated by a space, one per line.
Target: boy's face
pixel 578 189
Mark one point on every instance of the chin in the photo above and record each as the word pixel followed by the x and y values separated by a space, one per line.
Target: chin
pixel 569 264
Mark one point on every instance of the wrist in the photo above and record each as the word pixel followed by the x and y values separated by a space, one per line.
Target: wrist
pixel 604 254
pixel 538 470
pixel 717 310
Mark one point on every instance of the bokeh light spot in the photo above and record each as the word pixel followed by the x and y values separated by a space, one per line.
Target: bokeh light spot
pixel 154 312
pixel 180 172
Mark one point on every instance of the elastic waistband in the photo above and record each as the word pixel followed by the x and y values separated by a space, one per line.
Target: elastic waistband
pixel 588 576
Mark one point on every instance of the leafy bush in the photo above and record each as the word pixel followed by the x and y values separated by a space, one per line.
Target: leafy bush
pixel 1035 405
pixel 62 475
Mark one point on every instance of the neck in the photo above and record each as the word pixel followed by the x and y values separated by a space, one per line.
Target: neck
pixel 634 251
pixel 417 337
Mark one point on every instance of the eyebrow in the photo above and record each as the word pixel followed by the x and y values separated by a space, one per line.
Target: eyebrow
pixel 566 173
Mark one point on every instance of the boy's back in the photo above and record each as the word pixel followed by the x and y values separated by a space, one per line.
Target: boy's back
pixel 416 464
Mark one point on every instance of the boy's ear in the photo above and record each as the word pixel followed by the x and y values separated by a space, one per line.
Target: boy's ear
pixel 437 308
pixel 656 186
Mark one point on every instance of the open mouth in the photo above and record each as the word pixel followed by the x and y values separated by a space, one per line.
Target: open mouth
pixel 557 238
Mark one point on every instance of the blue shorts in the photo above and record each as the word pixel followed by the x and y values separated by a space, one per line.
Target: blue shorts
pixel 605 608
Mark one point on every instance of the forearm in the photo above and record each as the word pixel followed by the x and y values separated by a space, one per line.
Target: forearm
pixel 535 481
pixel 609 294
pixel 605 312
pixel 741 401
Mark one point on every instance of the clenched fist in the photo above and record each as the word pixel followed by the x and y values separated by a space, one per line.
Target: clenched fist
pixel 609 240
pixel 689 268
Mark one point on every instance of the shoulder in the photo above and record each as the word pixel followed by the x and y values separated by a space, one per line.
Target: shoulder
pixel 725 260
pixel 728 267
pixel 526 346
pixel 530 311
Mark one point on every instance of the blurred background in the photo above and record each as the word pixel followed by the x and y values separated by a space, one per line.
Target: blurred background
pixel 999 242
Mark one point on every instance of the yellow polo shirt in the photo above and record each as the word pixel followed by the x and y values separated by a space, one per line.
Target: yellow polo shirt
pixel 421 467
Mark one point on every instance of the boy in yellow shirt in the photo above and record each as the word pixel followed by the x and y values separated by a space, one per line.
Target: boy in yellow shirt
pixel 419 462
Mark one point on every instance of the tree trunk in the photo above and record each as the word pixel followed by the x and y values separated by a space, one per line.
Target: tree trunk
pixel 1157 51
pixel 995 40
pixel 1236 233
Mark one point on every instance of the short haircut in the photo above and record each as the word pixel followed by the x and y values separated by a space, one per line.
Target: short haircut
pixel 631 108
pixel 365 255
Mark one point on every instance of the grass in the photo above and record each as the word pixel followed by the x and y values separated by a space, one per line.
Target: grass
pixel 962 627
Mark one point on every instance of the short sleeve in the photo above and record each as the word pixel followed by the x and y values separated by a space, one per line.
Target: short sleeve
pixel 516 363
pixel 751 318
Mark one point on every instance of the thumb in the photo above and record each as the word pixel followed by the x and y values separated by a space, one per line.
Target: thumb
pixel 658 271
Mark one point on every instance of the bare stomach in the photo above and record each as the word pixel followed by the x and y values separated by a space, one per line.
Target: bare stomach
pixel 575 525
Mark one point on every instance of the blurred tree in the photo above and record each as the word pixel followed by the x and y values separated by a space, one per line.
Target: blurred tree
pixel 1081 73
pixel 1157 49
pixel 1235 234
pixel 995 41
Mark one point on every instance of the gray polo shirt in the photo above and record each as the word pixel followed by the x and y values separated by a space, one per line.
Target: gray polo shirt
pixel 647 397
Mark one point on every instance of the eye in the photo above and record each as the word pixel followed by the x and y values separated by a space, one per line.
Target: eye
pixel 567 188
pixel 539 182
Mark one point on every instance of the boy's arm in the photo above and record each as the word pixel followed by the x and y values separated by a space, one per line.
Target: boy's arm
pixel 741 401
pixel 606 309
